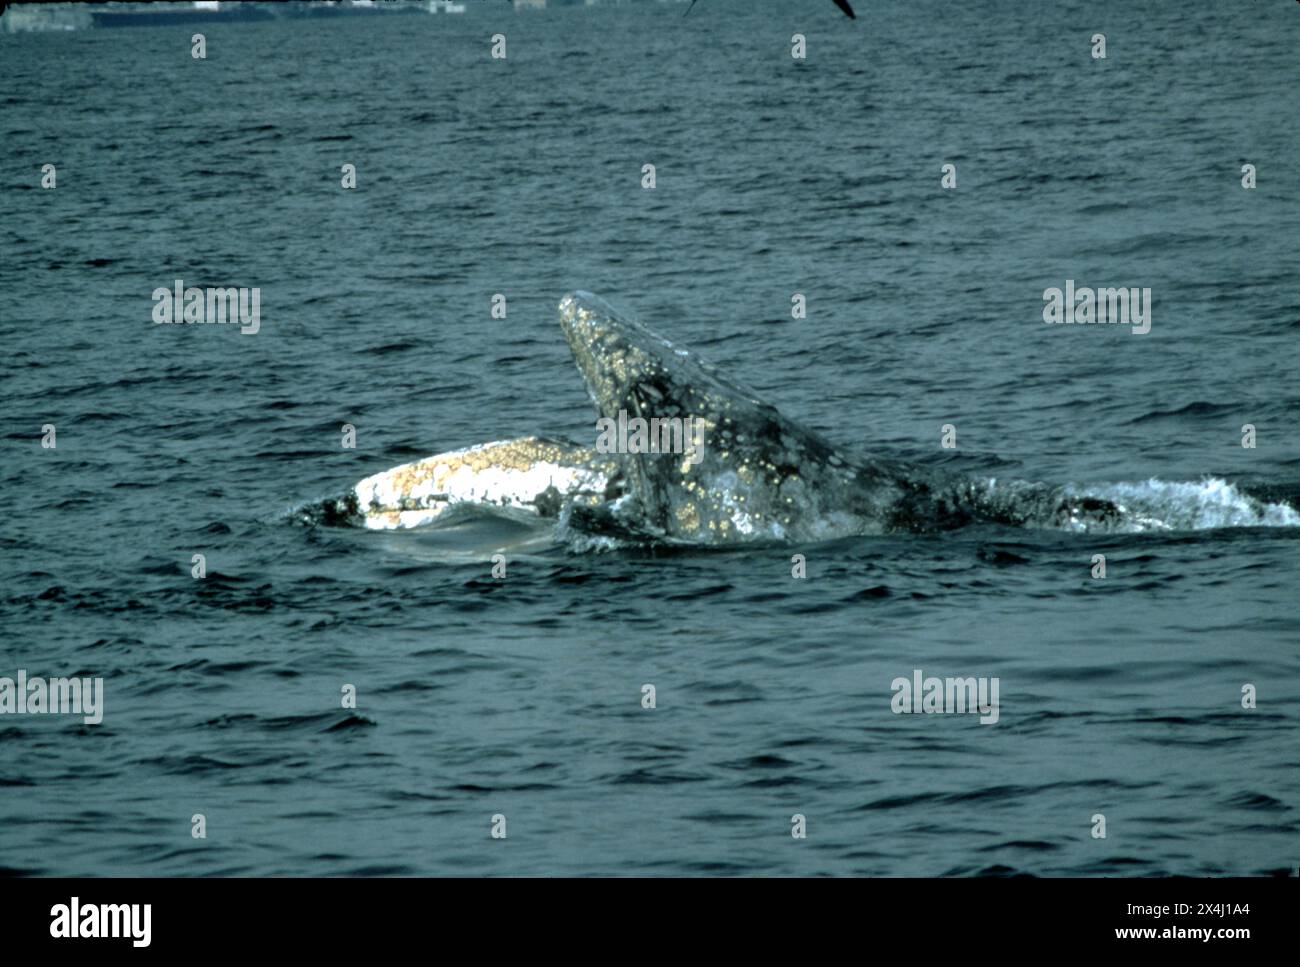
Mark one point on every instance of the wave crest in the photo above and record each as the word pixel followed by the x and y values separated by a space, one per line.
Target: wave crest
pixel 1207 504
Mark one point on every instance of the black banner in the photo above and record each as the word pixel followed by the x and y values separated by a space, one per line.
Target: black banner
pixel 331 916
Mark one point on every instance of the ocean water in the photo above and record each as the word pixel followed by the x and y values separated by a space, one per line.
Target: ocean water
pixel 522 697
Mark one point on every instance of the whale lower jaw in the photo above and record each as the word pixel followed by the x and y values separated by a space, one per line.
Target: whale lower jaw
pixel 533 476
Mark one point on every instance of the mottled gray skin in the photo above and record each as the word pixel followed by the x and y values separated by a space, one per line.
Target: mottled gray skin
pixel 761 476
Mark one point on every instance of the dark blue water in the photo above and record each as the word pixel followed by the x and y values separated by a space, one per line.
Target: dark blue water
pixel 522 696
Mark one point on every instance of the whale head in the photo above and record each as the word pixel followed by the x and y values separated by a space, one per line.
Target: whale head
pixel 627 365
pixel 747 473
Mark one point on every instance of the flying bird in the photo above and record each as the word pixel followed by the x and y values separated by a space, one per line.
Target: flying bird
pixel 842 4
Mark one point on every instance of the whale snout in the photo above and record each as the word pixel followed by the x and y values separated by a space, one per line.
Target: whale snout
pixel 616 355
pixel 579 305
pixel 587 319
pixel 591 332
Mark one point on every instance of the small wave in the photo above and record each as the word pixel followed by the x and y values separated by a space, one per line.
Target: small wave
pixel 1158 505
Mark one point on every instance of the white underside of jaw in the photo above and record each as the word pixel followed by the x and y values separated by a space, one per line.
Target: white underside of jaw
pixel 418 493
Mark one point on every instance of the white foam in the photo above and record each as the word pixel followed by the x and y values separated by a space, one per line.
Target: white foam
pixel 1159 505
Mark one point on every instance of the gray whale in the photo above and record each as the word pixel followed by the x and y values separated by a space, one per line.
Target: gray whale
pixel 762 476
pixel 755 475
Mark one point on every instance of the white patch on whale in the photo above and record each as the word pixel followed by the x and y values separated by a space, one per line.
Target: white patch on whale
pixel 530 476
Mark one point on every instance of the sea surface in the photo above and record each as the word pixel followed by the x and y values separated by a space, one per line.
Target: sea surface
pixel 521 697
